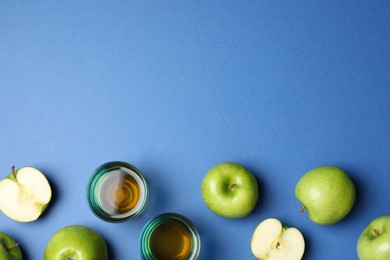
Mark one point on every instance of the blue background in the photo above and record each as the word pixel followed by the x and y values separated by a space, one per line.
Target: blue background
pixel 175 87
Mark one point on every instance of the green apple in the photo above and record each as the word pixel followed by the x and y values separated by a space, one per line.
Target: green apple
pixel 326 193
pixel 9 249
pixel 272 241
pixel 24 194
pixel 229 190
pixel 76 243
pixel 374 242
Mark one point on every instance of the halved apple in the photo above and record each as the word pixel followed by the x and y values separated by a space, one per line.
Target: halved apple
pixel 24 194
pixel 272 241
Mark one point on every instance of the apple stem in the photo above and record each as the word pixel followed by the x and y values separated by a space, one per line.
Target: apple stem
pixel 231 186
pixel 376 232
pixel 302 209
pixel 13 246
pixel 13 172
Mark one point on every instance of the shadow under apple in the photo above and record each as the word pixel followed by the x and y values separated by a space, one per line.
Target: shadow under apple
pixel 358 206
pixel 262 192
pixel 54 195
pixel 110 250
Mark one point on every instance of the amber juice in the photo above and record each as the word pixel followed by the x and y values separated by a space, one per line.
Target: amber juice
pixel 170 240
pixel 117 192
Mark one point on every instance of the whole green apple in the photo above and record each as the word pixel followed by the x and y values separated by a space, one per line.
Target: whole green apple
pixel 229 190
pixel 24 194
pixel 76 243
pixel 9 249
pixel 326 193
pixel 374 242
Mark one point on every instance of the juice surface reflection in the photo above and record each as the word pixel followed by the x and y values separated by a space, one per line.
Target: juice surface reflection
pixel 119 192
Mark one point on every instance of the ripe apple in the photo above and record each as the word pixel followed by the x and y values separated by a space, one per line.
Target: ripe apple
pixel 9 249
pixel 24 194
pixel 76 243
pixel 272 241
pixel 229 190
pixel 327 193
pixel 374 242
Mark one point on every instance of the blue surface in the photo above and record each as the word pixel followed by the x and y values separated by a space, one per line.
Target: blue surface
pixel 175 87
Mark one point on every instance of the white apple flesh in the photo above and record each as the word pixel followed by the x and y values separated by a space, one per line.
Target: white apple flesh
pixel 272 241
pixel 24 195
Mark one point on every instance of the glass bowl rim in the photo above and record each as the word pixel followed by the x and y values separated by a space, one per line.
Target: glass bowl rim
pixel 152 224
pixel 98 173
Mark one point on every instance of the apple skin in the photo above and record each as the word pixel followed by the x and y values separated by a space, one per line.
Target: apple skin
pixel 326 193
pixel 76 242
pixel 9 249
pixel 374 242
pixel 229 190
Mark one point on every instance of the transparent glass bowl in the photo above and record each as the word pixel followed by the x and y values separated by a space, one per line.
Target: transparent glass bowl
pixel 98 186
pixel 155 224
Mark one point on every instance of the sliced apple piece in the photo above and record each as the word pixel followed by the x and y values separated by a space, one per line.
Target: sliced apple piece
pixel 24 194
pixel 272 241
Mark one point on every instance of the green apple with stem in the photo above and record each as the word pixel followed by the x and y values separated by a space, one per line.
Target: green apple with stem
pixel 24 194
pixel 273 241
pixel 76 242
pixel 230 190
pixel 374 242
pixel 327 194
pixel 9 248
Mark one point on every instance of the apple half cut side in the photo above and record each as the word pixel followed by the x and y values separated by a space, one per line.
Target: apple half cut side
pixel 272 241
pixel 24 194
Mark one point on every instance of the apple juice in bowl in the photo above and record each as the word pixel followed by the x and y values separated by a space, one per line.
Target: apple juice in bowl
pixel 117 192
pixel 170 236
